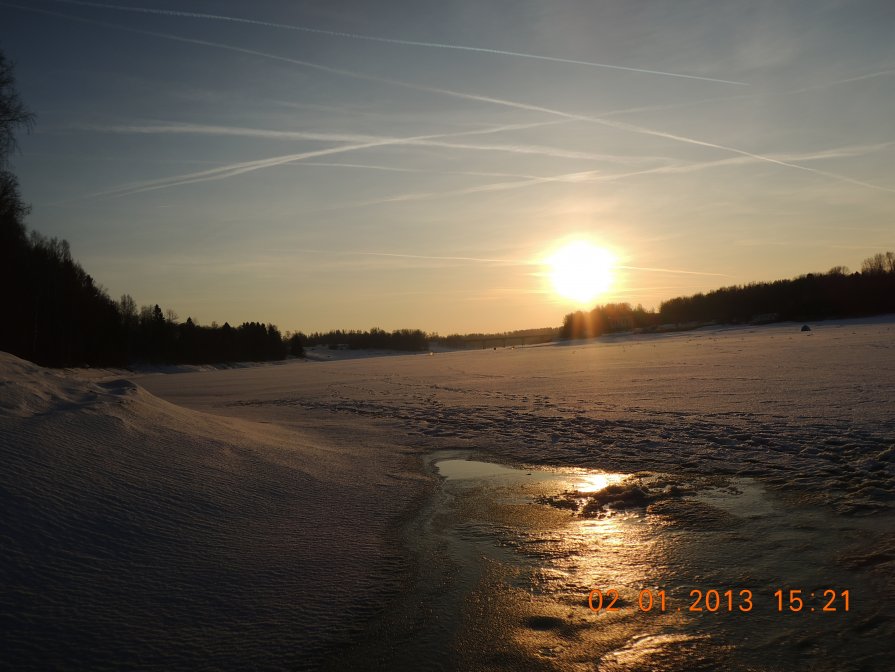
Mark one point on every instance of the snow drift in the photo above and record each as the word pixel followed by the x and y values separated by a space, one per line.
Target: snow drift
pixel 137 532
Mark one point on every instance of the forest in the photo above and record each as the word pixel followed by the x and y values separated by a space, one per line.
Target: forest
pixel 374 339
pixel 815 296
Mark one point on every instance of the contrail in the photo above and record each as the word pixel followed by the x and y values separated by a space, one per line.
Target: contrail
pixel 520 262
pixel 207 129
pixel 670 270
pixel 396 169
pixel 200 129
pixel 595 176
pixel 526 181
pixel 836 82
pixel 513 262
pixel 443 258
pixel 387 40
pixel 632 128
pixel 234 169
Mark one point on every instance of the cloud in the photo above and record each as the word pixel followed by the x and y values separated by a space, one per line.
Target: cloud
pixel 836 82
pixel 485 260
pixel 838 152
pixel 423 141
pixel 513 262
pixel 597 176
pixel 242 167
pixel 386 40
pixel 674 271
pixel 397 169
pixel 618 125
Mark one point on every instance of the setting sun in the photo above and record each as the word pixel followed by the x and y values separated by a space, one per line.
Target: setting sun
pixel 580 271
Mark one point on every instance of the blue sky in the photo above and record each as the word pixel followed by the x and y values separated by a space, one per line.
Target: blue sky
pixel 411 164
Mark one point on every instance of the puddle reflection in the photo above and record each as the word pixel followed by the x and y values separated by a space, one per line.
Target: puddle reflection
pixel 595 482
pixel 548 538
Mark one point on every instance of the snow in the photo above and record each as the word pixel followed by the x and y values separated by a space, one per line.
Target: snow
pixel 264 516
pixel 137 530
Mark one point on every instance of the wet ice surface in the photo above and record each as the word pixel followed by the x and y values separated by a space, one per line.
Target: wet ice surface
pixel 808 412
pixel 801 425
pixel 238 532
pixel 531 611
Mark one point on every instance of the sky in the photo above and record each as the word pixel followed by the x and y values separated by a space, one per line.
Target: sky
pixel 322 164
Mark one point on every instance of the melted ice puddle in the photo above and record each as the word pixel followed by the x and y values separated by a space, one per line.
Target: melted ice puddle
pixel 462 470
pixel 530 569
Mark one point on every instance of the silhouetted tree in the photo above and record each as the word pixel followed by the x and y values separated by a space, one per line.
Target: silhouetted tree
pixel 375 338
pixel 811 296
pixel 14 245
pixel 879 264
pixel 13 113
pixel 296 344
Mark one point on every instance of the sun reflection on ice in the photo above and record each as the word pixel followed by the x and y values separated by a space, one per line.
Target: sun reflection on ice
pixel 591 483
pixel 558 535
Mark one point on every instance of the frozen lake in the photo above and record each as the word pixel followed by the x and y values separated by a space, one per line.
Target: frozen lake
pixel 327 514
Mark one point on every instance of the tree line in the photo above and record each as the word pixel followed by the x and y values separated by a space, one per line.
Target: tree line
pixel 412 340
pixel 518 336
pixel 55 314
pixel 815 296
pixel 151 336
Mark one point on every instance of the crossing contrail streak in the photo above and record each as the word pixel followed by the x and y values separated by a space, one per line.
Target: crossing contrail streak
pixel 388 40
pixel 519 262
pixel 242 167
pixel 595 176
pixel 632 128
pixel 204 129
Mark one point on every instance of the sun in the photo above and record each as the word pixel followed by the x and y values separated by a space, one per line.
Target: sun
pixel 580 271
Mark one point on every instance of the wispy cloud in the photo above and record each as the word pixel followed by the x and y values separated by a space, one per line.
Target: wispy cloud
pixel 481 260
pixel 576 177
pixel 838 152
pixel 495 261
pixel 599 176
pixel 618 125
pixel 674 271
pixel 243 167
pixel 398 169
pixel 423 141
pixel 642 130
pixel 387 40
pixel 836 82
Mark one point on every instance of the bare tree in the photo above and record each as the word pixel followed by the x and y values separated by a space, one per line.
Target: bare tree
pixel 128 309
pixel 13 113
pixel 879 263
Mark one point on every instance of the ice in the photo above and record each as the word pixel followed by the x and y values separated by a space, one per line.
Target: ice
pixel 268 517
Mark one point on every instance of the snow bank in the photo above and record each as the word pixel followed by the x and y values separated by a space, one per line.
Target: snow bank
pixel 138 531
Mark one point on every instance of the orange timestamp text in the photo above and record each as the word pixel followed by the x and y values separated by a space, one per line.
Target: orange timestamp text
pixel 715 600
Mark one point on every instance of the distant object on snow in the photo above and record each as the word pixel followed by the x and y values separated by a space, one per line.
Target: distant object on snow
pixel 805 327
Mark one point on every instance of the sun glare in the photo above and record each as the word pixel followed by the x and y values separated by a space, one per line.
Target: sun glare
pixel 580 271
